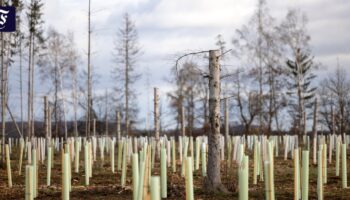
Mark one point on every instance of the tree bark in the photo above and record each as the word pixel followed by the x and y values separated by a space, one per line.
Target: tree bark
pixel 213 180
pixel 46 118
pixel 21 83
pixel 106 114
pixel 88 127
pixel 3 97
pixel 156 120
pixel 314 130
pixel 156 114
pixel 183 130
pixel 227 125
pixel 29 87
pixel 118 125
pixel 75 84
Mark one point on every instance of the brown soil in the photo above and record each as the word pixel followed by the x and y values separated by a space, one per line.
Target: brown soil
pixel 105 185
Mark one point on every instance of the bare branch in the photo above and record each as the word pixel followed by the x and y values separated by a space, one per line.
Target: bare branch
pixel 188 54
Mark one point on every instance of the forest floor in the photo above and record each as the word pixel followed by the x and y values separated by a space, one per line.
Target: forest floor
pixel 106 185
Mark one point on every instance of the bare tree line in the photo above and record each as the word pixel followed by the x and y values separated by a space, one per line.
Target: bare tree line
pixel 274 82
pixel 274 78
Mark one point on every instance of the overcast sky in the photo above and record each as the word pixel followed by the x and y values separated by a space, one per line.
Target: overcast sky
pixel 169 27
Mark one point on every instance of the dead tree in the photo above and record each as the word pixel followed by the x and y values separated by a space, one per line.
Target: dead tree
pixel 89 81
pixel 126 53
pixel 106 114
pixel 46 118
pixel 183 127
pixel 118 125
pixel 156 114
pixel 227 125
pixel 314 130
pixel 213 179
pixel 212 182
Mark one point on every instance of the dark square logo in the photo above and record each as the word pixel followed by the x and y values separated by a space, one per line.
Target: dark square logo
pixel 7 19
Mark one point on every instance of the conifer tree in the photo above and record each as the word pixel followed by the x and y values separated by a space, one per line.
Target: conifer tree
pixel 300 87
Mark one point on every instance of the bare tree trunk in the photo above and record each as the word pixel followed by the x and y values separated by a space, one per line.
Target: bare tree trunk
pixel 260 75
pixel 127 87
pixel 75 83
pixel 29 88
pixel 106 115
pixel 89 76
pixel 272 102
pixel 314 130
pixel 118 125
pixel 156 114
pixel 94 127
pixel 213 179
pixel 333 122
pixel 56 113
pixel 21 83
pixel 227 125
pixel 56 105
pixel 32 88
pixel 3 97
pixel 148 114
pixel 302 120
pixel 49 113
pixel 183 130
pixel 63 104
pixel 46 118
pixel 205 111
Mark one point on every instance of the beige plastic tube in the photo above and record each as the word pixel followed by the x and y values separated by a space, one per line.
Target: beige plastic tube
pixel 8 166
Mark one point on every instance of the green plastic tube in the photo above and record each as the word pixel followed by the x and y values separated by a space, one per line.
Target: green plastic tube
pixel 8 166
pixel 255 160
pixel 90 158
pixel 52 157
pixel 319 176
pixel 184 160
pixel 86 164
pixel 297 192
pixel 197 153
pixel 135 174
pixel 305 176
pixel 153 155
pixel 155 188
pixel 124 165
pixel 271 170
pixel 189 179
pixel 229 152
pixel 120 151
pixel 180 148
pixel 337 158
pixel 48 180
pixel 173 157
pixel 29 183
pixel 324 165
pixel 204 160
pixel 243 179
pixel 66 179
pixel 34 163
pixel 260 163
pixel 112 156
pixel 344 176
pixel 163 174
pixel 76 156
pixel 21 144
pixel 267 182
pixel 141 180
pixel 191 149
